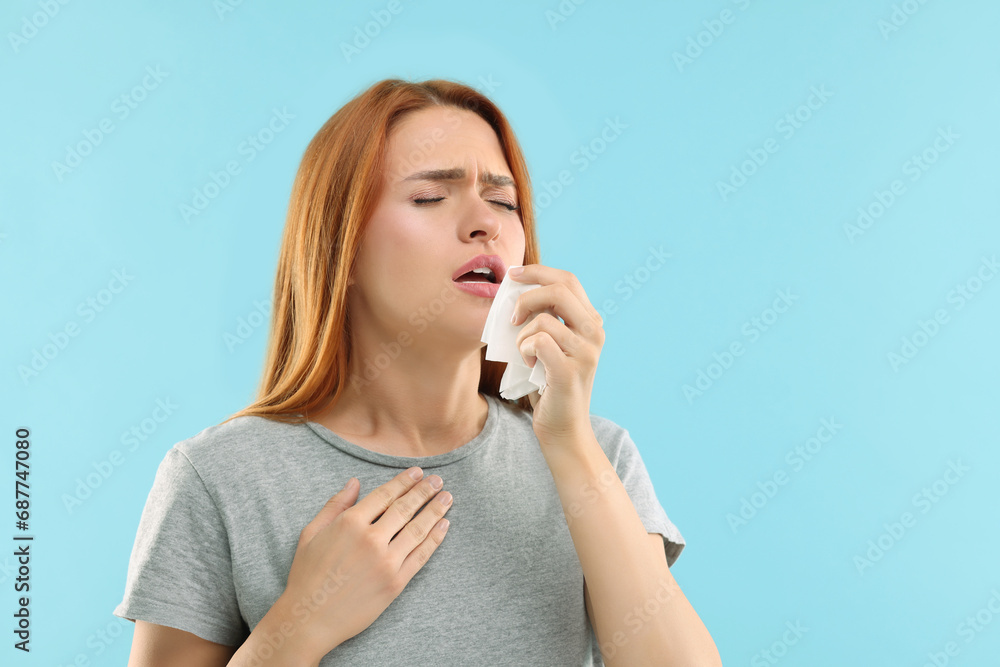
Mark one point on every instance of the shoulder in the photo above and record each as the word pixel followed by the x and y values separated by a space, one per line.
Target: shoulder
pixel 514 417
pixel 235 444
pixel 612 437
pixel 511 413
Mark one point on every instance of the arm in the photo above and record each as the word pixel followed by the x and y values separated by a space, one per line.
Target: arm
pixel 279 640
pixel 163 646
pixel 271 644
pixel 624 575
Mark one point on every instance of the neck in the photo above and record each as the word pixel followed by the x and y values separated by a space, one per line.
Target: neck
pixel 419 404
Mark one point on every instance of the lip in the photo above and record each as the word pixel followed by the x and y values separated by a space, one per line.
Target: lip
pixel 493 262
pixel 485 290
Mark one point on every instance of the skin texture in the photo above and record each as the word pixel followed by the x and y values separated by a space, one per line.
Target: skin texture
pixel 361 553
pixel 426 401
pixel 159 645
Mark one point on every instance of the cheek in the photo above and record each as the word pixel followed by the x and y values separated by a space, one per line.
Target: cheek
pixel 407 249
pixel 409 241
pixel 516 230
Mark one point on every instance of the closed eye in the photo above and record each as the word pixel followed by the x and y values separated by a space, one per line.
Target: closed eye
pixel 506 205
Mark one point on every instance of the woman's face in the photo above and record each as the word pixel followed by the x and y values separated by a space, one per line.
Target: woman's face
pixel 403 279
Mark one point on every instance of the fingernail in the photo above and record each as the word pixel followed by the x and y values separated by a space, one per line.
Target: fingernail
pixel 513 318
pixel 416 473
pixel 516 271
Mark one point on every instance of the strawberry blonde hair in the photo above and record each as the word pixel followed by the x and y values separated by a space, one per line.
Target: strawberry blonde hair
pixel 336 189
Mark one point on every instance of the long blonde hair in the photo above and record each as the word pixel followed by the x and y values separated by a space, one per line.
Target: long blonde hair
pixel 336 189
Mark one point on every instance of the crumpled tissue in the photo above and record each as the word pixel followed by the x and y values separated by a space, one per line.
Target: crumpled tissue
pixel 500 337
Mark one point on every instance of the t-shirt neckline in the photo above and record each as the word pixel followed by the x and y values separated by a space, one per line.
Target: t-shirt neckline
pixel 403 462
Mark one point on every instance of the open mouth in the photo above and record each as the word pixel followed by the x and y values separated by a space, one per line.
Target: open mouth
pixel 480 275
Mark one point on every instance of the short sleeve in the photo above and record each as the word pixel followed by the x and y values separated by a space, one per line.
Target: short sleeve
pixel 635 478
pixel 180 573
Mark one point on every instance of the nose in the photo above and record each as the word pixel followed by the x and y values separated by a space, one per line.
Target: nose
pixel 479 222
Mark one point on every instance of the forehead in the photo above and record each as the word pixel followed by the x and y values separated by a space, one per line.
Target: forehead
pixel 439 137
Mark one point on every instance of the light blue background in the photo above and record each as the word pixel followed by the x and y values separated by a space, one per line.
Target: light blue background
pixel 655 185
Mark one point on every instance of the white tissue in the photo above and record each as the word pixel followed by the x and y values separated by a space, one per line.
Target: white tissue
pixel 500 337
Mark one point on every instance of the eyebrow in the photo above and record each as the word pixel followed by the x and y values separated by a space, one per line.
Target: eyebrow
pixel 457 174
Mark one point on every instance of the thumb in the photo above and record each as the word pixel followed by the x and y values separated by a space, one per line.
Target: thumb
pixel 339 502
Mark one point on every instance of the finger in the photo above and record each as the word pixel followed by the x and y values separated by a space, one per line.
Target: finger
pixel 382 497
pixel 339 502
pixel 421 554
pixel 402 510
pixel 547 275
pixel 541 347
pixel 545 323
pixel 561 301
pixel 416 531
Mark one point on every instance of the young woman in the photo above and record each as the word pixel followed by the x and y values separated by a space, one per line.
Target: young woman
pixel 409 206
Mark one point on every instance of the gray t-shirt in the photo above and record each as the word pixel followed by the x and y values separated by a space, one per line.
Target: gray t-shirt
pixel 220 526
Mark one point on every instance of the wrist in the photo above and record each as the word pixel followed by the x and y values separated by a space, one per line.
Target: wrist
pixel 574 458
pixel 288 637
pixel 568 435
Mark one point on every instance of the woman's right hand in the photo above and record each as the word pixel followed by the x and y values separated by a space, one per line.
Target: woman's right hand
pixel 359 563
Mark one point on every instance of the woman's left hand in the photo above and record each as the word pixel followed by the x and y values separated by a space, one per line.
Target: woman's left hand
pixel 569 349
